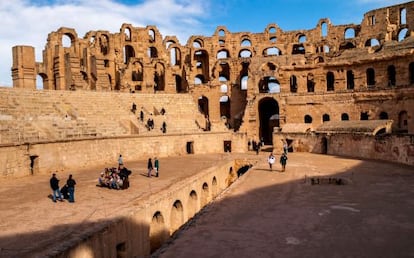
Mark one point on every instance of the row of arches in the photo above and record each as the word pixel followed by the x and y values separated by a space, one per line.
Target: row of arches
pixel 402 119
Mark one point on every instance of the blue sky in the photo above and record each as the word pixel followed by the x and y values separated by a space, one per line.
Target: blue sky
pixel 28 22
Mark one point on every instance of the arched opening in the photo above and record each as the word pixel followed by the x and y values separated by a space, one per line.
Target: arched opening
pixel 350 80
pixel 175 56
pixel 349 33
pixel 324 147
pixel 364 116
pixel 203 105
pixel 151 34
pixel 391 76
pixel 310 84
pixel 269 84
pixel 222 54
pixel 214 186
pixel 372 42
pixel 138 72
pixel 201 59
pixel 152 52
pixel 268 108
pixel 225 106
pixel 243 82
pixel 403 16
pixel 293 84
pixel 41 81
pixel 245 53
pixel 403 34
pixel 198 43
pixel 34 164
pixel 230 177
pixel 403 122
pixel 307 119
pixel 67 40
pixel 177 216
pixel 127 33
pixel 370 77
pixel 246 43
pixel 411 72
pixel 330 81
pixel 325 118
pixel 205 192
pixel 383 115
pixel 180 87
pixel 344 117
pixel 192 204
pixel 324 29
pixel 129 53
pixel 159 77
pixel 272 51
pixel 158 232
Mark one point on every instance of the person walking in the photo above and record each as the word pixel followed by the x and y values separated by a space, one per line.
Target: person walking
pixel 150 167
pixel 120 161
pixel 283 161
pixel 157 166
pixel 271 160
pixel 71 188
pixel 54 184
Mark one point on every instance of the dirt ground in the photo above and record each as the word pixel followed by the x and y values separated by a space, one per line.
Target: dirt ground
pixel 264 214
pixel 274 214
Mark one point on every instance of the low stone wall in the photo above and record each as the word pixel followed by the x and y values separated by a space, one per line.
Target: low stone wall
pixel 151 222
pixel 42 158
pixel 394 148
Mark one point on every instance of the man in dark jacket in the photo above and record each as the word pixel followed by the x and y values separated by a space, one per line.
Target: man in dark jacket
pixel 54 184
pixel 71 188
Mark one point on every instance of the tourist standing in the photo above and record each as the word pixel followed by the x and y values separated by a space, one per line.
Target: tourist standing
pixel 157 166
pixel 150 167
pixel 54 184
pixel 71 188
pixel 283 161
pixel 271 160
pixel 285 147
pixel 141 115
pixel 120 161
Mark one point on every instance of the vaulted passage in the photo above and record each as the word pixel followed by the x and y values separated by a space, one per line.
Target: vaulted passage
pixel 269 118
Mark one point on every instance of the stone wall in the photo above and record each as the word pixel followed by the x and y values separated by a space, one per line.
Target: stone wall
pixel 66 155
pixel 151 222
pixel 393 148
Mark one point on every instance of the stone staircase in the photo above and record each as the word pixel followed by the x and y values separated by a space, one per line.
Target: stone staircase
pixel 33 115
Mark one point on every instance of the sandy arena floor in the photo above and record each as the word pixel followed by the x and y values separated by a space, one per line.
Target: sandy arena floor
pixel 264 214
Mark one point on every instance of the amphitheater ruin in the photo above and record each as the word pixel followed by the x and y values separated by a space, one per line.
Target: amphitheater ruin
pixel 345 90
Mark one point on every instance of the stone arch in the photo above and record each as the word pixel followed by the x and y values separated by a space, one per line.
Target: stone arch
pixel 42 81
pixel 244 82
pixel 344 117
pixel 175 56
pixel 372 42
pixel 349 33
pixel 245 53
pixel 129 53
pixel 152 52
pixel 272 51
pixel 104 44
pixel 330 81
pixel 198 43
pixel 127 33
pixel 199 79
pixel 269 118
pixel 293 84
pixel 67 40
pixel 192 204
pixel 223 54
pixel 158 232
pixel 403 34
pixel 324 29
pixel 224 72
pixel 350 80
pixel 273 39
pixel 176 217
pixel 403 16
pixel 383 115
pixel 346 45
pixel 205 193
pixel 159 77
pixel 225 106
pixel 246 42
pixel 370 77
pixel 326 118
pixel 269 84
pixel 137 71
pixel 307 119
pixel 391 73
pixel 203 105
pixel 201 58
pixel 151 35
pixel 214 186
pixel 181 85
pixel 310 83
pixel 403 121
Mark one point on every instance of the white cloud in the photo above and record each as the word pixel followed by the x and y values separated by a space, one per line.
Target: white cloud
pixel 27 22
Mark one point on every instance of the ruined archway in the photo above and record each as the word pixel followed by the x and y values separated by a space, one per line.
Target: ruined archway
pixel 158 232
pixel 192 204
pixel 203 105
pixel 269 118
pixel 205 192
pixel 177 216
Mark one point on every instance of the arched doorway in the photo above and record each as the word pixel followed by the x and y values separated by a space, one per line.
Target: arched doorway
pixel 203 105
pixel 269 118
pixel 324 147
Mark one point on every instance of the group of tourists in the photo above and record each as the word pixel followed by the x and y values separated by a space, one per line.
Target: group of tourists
pixel 67 191
pixel 153 168
pixel 115 178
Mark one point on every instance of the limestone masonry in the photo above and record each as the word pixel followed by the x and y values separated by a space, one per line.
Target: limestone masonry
pixel 335 89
